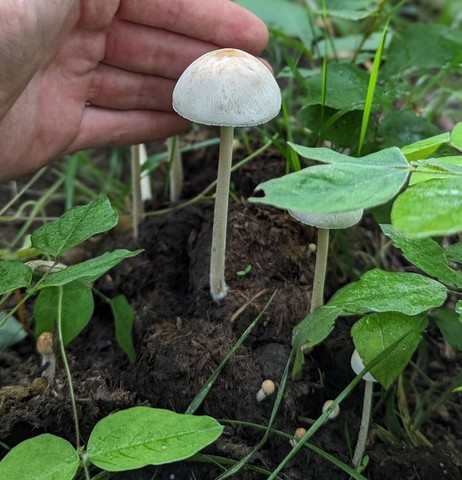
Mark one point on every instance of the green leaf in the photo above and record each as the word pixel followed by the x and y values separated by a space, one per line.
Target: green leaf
pixel 45 457
pixel 448 321
pixel 89 270
pixel 423 46
pixel 429 208
pixel 380 291
pixel 141 436
pixel 75 226
pixel 291 18
pixel 350 9
pixel 13 275
pixel 76 310
pixel 345 183
pixel 311 331
pixel 374 333
pixel 456 136
pixel 424 148
pixel 436 168
pixel 346 88
pixel 124 315
pixel 454 252
pixel 11 331
pixel 425 254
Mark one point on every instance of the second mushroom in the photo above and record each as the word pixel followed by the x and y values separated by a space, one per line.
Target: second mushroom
pixel 226 88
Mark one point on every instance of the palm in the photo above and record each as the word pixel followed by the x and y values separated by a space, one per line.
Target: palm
pixel 103 72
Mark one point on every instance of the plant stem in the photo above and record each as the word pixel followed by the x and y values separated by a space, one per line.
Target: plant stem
pixel 218 287
pixel 69 378
pixel 322 247
pixel 137 203
pixel 364 427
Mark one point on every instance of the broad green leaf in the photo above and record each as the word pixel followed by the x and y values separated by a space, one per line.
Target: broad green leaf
pixel 405 127
pixel 123 316
pixel 350 9
pixel 76 310
pixel 454 252
pixel 344 183
pixel 425 254
pixel 291 18
pixel 424 148
pixel 448 322
pixel 429 208
pixel 44 457
pixel 89 270
pixel 141 436
pixel 436 168
pixel 75 226
pixel 311 331
pixel 456 136
pixel 374 333
pixel 346 88
pixel 13 275
pixel 381 291
pixel 423 46
pixel 11 331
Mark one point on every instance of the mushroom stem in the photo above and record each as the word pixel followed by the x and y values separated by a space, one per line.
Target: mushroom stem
pixel 364 427
pixel 175 168
pixel 218 287
pixel 317 294
pixel 137 203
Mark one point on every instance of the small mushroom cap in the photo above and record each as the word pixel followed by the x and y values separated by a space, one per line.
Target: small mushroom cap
pixel 228 88
pixel 357 365
pixel 335 411
pixel 299 433
pixel 268 387
pixel 45 343
pixel 329 221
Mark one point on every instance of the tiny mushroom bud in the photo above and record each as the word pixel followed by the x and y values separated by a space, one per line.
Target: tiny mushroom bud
pixel 267 389
pixel 334 413
pixel 45 348
pixel 226 88
pixel 298 435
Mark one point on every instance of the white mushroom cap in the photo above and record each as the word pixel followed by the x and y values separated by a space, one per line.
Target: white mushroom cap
pixel 357 365
pixel 335 412
pixel 228 88
pixel 329 220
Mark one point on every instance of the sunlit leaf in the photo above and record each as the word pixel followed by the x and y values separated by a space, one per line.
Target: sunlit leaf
pixel 141 436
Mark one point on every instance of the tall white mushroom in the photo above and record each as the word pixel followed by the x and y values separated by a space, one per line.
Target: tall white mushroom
pixel 226 88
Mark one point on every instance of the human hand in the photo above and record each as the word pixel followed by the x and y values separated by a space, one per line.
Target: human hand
pixel 92 73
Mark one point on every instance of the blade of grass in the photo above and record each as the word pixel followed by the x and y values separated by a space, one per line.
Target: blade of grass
pixel 199 398
pixel 371 87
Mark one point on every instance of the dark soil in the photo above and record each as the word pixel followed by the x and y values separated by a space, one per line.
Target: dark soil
pixel 181 337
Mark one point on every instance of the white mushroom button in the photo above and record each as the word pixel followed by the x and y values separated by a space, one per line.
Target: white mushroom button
pixel 267 388
pixel 334 413
pixel 298 435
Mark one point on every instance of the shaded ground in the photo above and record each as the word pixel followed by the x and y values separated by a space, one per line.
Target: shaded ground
pixel 181 337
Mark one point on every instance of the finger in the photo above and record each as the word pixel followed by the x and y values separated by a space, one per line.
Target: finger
pixel 220 22
pixel 149 50
pixel 123 90
pixel 102 127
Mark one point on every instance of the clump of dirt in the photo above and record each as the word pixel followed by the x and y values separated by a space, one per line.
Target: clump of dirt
pixel 181 337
